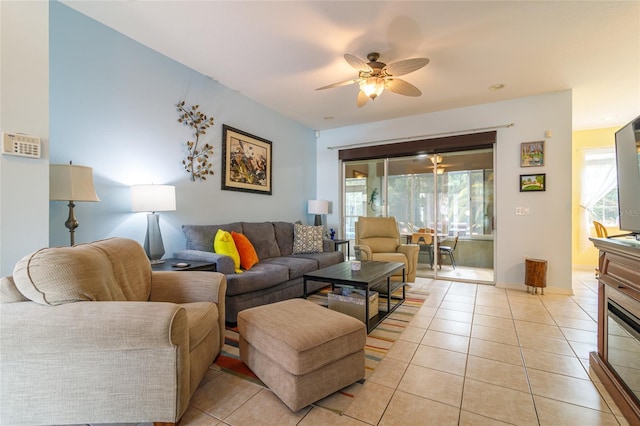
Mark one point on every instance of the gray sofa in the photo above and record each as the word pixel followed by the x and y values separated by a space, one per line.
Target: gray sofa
pixel 278 274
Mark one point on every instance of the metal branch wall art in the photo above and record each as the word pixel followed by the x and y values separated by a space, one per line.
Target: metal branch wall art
pixel 197 162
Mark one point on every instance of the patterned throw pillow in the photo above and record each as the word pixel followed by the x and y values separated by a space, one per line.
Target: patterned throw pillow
pixel 248 255
pixel 223 244
pixel 307 239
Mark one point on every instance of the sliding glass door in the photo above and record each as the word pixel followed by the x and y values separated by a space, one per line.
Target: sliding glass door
pixel 447 194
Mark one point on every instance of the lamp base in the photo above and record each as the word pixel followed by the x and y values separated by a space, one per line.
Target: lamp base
pixel 71 224
pixel 156 261
pixel 318 221
pixel 153 240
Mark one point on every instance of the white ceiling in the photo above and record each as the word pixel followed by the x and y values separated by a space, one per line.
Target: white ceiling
pixel 279 52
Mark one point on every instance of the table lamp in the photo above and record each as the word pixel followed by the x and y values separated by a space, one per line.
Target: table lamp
pixel 71 183
pixel 152 199
pixel 318 207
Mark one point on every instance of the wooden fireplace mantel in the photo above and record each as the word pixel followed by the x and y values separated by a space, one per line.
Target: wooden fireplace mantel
pixel 619 280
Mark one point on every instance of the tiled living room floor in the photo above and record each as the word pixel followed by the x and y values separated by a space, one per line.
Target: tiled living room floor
pixel 473 355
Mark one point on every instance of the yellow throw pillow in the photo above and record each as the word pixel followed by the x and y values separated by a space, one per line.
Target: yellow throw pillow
pixel 223 244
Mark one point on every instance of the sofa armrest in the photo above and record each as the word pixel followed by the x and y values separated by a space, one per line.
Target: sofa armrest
pixel 328 245
pixel 411 251
pixel 90 326
pixel 58 363
pixel 363 252
pixel 191 286
pixel 224 263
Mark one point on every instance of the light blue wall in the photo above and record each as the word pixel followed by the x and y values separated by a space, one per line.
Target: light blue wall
pixel 112 104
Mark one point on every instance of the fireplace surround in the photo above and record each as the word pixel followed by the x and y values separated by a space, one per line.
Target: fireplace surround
pixel 617 360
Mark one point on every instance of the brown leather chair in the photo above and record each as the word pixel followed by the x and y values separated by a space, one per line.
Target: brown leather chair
pixel 378 238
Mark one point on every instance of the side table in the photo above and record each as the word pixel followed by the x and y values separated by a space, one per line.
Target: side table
pixel 535 274
pixel 339 243
pixel 193 265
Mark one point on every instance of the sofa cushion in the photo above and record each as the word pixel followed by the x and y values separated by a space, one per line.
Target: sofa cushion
pixel 324 259
pixel 248 255
pixel 284 237
pixel 263 237
pixel 307 239
pixel 130 265
pixel 377 244
pixel 200 237
pixel 297 266
pixel 9 293
pixel 261 276
pixel 116 269
pixel 223 244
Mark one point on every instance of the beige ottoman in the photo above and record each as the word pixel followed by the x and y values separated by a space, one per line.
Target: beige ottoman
pixel 302 351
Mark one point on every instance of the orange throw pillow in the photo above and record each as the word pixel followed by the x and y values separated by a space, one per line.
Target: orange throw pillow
pixel 248 255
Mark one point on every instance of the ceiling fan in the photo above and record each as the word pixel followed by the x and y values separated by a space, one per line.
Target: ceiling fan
pixel 374 76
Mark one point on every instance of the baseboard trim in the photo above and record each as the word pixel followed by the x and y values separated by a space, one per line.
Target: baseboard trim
pixel 523 288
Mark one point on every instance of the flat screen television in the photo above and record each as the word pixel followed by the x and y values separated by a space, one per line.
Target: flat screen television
pixel 628 165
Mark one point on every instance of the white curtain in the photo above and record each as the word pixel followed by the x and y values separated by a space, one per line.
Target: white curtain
pixel 598 178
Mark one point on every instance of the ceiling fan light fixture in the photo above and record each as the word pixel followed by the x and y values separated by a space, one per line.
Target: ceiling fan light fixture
pixel 436 159
pixel 372 86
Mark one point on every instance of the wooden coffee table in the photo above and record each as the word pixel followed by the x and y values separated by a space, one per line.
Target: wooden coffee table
pixel 373 276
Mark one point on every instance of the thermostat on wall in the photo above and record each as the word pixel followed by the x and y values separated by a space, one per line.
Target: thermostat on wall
pixel 21 145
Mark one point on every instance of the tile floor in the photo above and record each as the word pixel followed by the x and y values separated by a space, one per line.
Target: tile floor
pixel 474 355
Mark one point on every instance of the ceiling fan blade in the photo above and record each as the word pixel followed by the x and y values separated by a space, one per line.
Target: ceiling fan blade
pixel 357 63
pixel 401 87
pixel 362 99
pixel 342 83
pixel 406 66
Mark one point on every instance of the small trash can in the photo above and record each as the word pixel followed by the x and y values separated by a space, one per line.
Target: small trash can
pixel 535 274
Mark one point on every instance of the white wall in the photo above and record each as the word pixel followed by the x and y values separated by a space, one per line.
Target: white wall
pixel 546 232
pixel 24 108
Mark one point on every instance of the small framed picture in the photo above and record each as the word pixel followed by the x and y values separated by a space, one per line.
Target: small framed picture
pixel 532 154
pixel 532 183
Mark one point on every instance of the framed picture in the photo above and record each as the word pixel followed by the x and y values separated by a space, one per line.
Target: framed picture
pixel 535 182
pixel 532 154
pixel 246 162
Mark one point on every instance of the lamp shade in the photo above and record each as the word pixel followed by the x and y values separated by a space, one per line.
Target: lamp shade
pixel 153 198
pixel 68 182
pixel 318 207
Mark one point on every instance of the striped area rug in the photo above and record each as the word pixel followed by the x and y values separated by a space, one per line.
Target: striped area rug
pixel 378 344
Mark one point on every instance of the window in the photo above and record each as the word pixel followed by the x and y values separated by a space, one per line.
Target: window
pixel 605 210
pixel 599 186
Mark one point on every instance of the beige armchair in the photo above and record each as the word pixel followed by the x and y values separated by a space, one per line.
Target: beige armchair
pixel 90 334
pixel 378 238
